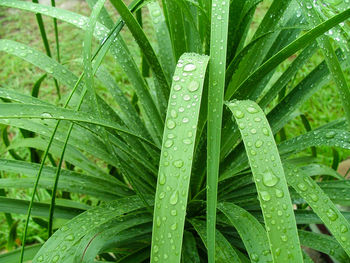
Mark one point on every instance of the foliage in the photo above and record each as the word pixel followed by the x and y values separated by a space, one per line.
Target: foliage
pixel 142 163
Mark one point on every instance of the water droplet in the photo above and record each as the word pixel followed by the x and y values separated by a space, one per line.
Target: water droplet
pixel 189 67
pixel 162 179
pixel 174 198
pixel 284 238
pixel 302 187
pixel 343 228
pixel 187 97
pixel 253 131
pixel 159 222
pixel 161 195
pixel 69 237
pixel 170 124
pixel 265 196
pixel 254 257
pixel 155 249
pixel 238 114
pixel 314 197
pixel 258 143
pixel 269 178
pixel 265 131
pixel 46 115
pixel 252 109
pixel 55 258
pixel 174 226
pixel 178 163
pixel 41 259
pixel 185 120
pixel 187 141
pixel 168 143
pixel 330 135
pixel 279 193
pixel 193 86
pixel 173 113
pixel 331 214
pixel 177 87
pixel 278 251
pixel 173 212
pixel 176 78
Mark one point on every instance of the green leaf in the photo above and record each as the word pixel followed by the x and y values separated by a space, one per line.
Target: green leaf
pixel 322 137
pixel 72 232
pixel 253 234
pixel 270 182
pixel 152 59
pixel 224 252
pixel 176 157
pixel 217 68
pixel 321 205
pixel 165 52
pixel 324 244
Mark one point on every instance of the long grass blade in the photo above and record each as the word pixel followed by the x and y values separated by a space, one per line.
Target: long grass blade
pixel 270 182
pixel 248 227
pixel 176 158
pixel 224 252
pixel 217 67
pixel 321 205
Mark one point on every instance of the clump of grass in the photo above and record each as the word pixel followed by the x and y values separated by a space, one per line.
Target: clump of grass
pixel 139 178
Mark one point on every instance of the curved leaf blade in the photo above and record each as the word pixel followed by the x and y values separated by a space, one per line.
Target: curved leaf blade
pixel 270 182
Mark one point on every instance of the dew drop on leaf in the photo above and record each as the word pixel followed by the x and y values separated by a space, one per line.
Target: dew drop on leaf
pixel 189 67
pixel 330 135
pixel 174 198
pixel 265 196
pixel 170 124
pixel 193 86
pixel 238 114
pixel 162 179
pixel 331 214
pixel 269 178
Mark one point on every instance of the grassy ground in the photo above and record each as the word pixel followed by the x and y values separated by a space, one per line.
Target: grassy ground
pixel 15 74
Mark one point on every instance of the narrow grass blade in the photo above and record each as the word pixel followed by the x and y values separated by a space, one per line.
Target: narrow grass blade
pixel 323 243
pixel 253 234
pixel 147 49
pixel 176 158
pixel 321 205
pixel 189 249
pixel 224 252
pixel 165 49
pixel 27 111
pixel 217 67
pixel 322 137
pixel 270 182
pixel 110 235
pixel 43 34
pixel 330 56
pixel 16 206
pixel 70 234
